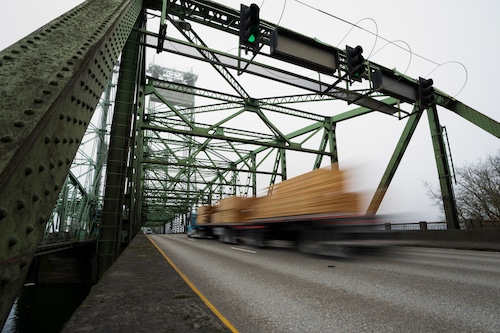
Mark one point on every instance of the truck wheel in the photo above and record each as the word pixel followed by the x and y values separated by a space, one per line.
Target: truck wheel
pixel 229 236
pixel 258 239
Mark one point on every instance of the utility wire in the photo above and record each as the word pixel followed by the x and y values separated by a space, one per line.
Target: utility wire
pixel 355 25
pixel 438 65
pixel 366 30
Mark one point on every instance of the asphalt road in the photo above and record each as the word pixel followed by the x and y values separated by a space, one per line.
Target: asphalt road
pixel 280 290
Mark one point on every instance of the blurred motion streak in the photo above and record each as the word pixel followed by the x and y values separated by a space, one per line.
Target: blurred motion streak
pixel 316 211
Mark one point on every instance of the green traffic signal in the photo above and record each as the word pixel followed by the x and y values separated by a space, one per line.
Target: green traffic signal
pixel 355 62
pixel 253 34
pixel 249 26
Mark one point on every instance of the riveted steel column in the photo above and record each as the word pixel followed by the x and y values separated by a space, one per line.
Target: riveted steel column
pixel 330 140
pixel 253 158
pixel 450 208
pixel 138 178
pixel 135 184
pixel 112 232
pixel 51 83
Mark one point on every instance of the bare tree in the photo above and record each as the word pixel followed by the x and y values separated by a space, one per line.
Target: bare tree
pixel 477 191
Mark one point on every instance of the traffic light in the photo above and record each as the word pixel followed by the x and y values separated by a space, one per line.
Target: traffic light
pixel 249 26
pixel 425 92
pixel 162 34
pixel 355 62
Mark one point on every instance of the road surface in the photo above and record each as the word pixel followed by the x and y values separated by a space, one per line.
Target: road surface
pixel 281 290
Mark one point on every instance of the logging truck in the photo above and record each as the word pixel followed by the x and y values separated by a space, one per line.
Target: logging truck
pixel 315 212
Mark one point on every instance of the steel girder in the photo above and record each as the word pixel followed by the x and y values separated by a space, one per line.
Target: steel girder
pixel 61 72
pixel 444 170
pixel 74 215
pixel 396 157
pixel 484 122
pixel 77 213
pixel 116 227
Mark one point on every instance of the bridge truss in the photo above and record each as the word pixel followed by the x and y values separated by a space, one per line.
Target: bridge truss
pixel 168 153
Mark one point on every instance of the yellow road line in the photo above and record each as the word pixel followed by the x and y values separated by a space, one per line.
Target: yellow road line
pixel 192 286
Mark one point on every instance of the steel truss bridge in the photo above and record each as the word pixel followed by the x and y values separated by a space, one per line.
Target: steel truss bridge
pixel 161 154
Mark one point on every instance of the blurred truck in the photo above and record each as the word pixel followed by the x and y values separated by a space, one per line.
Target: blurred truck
pixel 314 212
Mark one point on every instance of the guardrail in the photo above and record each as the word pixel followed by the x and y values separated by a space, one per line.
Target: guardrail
pixel 55 238
pixel 416 226
pixel 59 241
pixel 62 237
pixel 423 225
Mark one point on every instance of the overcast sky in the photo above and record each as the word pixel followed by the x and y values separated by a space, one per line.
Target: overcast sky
pixel 455 33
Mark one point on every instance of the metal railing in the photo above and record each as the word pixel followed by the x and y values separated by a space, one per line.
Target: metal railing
pixel 423 225
pixel 416 226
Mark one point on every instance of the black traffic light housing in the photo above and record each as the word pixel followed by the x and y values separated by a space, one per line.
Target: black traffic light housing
pixel 250 27
pixel 355 62
pixel 162 34
pixel 425 92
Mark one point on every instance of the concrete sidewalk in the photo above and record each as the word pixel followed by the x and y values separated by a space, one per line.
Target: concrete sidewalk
pixel 141 292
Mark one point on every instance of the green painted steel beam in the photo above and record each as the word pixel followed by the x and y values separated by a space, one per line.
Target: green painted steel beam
pixel 112 231
pixel 205 134
pixel 82 202
pixel 137 171
pixel 52 82
pixel 288 111
pixel 205 167
pixel 394 162
pixel 271 103
pixel 482 121
pixel 174 110
pixel 209 108
pixel 444 170
pixel 329 140
pixel 308 129
pixel 279 135
pixel 362 110
pixel 166 182
pixel 212 58
pixel 206 128
pixel 299 98
pixel 187 89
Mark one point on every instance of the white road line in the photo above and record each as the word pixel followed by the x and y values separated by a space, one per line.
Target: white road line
pixel 243 250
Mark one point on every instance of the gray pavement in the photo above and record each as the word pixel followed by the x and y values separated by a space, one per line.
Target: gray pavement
pixel 141 292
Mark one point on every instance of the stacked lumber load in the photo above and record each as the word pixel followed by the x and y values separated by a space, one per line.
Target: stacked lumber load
pixel 317 192
pixel 233 209
pixel 204 214
pixel 321 191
